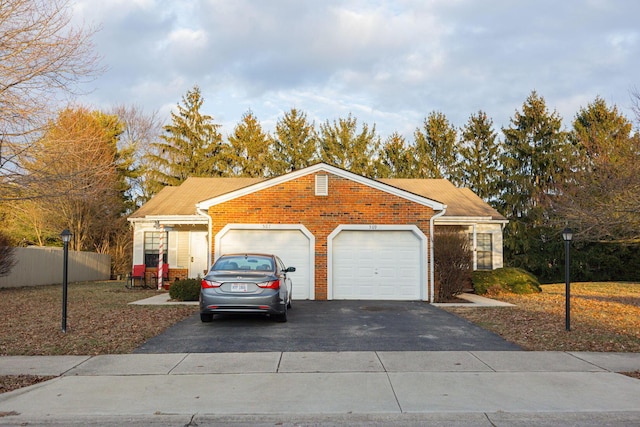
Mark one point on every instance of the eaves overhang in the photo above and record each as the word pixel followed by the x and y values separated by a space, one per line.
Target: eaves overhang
pixel 452 220
pixel 170 219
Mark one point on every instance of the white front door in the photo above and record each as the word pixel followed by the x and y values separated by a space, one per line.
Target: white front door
pixel 198 259
pixel 291 245
pixel 376 265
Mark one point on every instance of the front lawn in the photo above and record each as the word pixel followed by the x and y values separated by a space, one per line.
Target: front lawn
pixel 604 317
pixel 99 319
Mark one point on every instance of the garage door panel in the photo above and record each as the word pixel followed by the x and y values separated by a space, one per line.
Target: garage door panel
pixel 376 265
pixel 292 246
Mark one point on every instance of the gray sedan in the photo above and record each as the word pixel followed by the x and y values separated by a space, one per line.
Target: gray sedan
pixel 246 283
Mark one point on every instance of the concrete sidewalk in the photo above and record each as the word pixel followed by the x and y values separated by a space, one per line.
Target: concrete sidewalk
pixel 347 388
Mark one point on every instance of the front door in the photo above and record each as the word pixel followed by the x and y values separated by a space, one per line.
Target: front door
pixel 198 247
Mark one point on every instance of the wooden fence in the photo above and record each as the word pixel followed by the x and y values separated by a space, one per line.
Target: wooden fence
pixel 43 266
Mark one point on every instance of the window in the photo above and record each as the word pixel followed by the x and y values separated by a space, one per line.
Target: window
pixel 243 262
pixel 152 247
pixel 484 251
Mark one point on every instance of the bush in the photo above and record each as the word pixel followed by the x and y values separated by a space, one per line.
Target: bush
pixel 453 263
pixel 7 255
pixel 185 290
pixel 515 280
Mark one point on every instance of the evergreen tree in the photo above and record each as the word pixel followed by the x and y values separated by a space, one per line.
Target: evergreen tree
pixel 435 148
pixel 602 134
pixel 295 143
pixel 599 195
pixel 534 157
pixel 191 146
pixel 479 167
pixel 250 154
pixel 341 145
pixel 396 158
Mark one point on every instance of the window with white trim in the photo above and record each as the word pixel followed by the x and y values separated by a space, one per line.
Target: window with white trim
pixel 152 247
pixel 484 251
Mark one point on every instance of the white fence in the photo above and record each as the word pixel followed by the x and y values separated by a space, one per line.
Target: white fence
pixel 43 266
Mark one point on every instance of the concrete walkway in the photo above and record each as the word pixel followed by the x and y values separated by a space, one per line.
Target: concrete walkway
pixel 347 388
pixel 473 300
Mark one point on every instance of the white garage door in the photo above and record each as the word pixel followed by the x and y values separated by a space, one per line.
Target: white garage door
pixel 292 246
pixel 379 265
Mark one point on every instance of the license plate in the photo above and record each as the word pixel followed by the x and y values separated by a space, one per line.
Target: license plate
pixel 239 287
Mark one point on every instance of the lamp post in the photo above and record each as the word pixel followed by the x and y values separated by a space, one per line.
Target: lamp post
pixel 66 238
pixel 567 235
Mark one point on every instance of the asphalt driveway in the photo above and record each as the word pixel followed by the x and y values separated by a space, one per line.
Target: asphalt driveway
pixel 331 326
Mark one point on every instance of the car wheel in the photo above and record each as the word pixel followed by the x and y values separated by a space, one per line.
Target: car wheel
pixel 289 303
pixel 206 317
pixel 282 317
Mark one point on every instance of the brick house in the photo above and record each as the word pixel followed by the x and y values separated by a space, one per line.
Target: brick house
pixel 348 236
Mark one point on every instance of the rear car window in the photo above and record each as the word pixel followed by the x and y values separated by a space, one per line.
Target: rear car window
pixel 244 263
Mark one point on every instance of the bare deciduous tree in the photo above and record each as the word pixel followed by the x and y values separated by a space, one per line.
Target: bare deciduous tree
pixel 452 261
pixel 141 130
pixel 42 56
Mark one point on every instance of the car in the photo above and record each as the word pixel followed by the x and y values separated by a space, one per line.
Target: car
pixel 246 283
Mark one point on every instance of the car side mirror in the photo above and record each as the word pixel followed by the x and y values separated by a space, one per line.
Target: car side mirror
pixel 290 270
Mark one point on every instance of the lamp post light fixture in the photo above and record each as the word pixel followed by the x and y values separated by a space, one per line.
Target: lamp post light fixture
pixel 567 236
pixel 66 238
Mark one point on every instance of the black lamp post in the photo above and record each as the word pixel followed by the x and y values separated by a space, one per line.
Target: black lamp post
pixel 66 238
pixel 567 235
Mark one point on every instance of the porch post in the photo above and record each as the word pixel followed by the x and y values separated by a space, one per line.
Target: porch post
pixel 160 256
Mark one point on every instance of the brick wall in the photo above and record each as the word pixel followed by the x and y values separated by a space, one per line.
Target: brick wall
pixel 295 202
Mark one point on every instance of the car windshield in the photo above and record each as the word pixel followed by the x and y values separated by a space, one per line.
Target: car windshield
pixel 243 263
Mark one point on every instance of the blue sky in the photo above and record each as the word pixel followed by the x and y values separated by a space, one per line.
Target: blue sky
pixel 389 63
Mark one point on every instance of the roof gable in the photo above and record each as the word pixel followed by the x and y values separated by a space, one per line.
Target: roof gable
pixel 319 168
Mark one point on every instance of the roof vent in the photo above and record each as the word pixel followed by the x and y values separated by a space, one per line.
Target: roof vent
pixel 322 185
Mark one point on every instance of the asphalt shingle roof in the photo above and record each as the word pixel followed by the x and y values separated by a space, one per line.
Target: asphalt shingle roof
pixel 181 200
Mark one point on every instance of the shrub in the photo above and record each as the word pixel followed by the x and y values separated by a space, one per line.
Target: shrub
pixel 7 255
pixel 453 263
pixel 515 280
pixel 185 290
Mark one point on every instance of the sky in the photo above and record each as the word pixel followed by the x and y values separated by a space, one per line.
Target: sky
pixel 387 62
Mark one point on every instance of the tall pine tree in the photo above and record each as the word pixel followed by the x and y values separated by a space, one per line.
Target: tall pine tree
pixel 599 195
pixel 534 157
pixel 190 146
pixel 479 167
pixel 250 148
pixel 294 143
pixel 435 148
pixel 343 146
pixel 396 158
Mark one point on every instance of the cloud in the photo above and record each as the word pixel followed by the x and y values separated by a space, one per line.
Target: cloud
pixel 387 62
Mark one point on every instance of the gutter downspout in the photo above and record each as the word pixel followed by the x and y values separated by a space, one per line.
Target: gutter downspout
pixel 432 273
